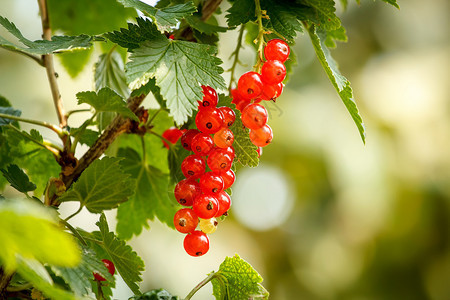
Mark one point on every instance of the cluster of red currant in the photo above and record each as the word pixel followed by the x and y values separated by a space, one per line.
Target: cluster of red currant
pixel 253 87
pixel 208 173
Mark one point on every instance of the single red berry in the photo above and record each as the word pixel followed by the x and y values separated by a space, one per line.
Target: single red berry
pixel 240 102
pixel 224 138
pixel 230 151
pixel 228 115
pixel 228 178
pixel 172 135
pixel 193 166
pixel 172 37
pixel 277 49
pixel 273 72
pixel 250 85
pixel 185 220
pixel 254 116
pixel 202 143
pixel 271 91
pixel 209 120
pixel 186 138
pixel 209 97
pixel 220 160
pixel 261 137
pixel 196 243
pixel 111 269
pixel 206 206
pixel 224 203
pixel 211 183
pixel 186 191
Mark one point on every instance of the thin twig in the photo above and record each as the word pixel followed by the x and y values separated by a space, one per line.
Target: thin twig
pixel 201 284
pixel 236 55
pixel 52 127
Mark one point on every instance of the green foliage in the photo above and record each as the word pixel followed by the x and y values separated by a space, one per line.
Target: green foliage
pixel 18 179
pixel 159 294
pixel 85 136
pixel 102 186
pixel 109 72
pixel 241 12
pixel 8 111
pixel 236 279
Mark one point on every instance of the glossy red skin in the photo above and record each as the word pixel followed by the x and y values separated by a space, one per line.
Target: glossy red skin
pixel 205 206
pixel 211 183
pixel 228 115
pixel 273 72
pixel 186 138
pixel 209 120
pixel 196 243
pixel 254 116
pixel 228 179
pixel 172 134
pixel 220 160
pixel 271 91
pixel 210 98
pixel 186 191
pixel 185 220
pixel 261 137
pixel 193 166
pixel 224 138
pixel 202 144
pixel 277 49
pixel 250 85
pixel 111 269
pixel 224 203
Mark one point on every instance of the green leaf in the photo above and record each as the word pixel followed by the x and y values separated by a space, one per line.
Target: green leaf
pixel 340 83
pixel 150 200
pixel 130 38
pixel 159 294
pixel 236 279
pixel 40 47
pixel 241 12
pixel 165 17
pixel 392 2
pixel 18 179
pixel 106 100
pixel 322 13
pixel 30 230
pixel 109 72
pixel 335 35
pixel 179 68
pixel 79 278
pixel 86 136
pixel 196 22
pixel 127 262
pixel 176 156
pixel 283 18
pixel 75 61
pixel 103 185
pixel 8 111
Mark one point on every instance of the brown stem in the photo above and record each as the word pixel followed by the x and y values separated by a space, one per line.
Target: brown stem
pixel 209 8
pixel 5 278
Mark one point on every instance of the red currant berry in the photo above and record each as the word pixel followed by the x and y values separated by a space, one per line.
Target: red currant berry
pixel 229 115
pixel 261 137
pixel 211 183
pixel 254 116
pixel 250 85
pixel 205 206
pixel 277 49
pixel 185 220
pixel 202 143
pixel 220 160
pixel 186 191
pixel 228 178
pixel 209 97
pixel 111 269
pixel 186 138
pixel 196 243
pixel 273 72
pixel 259 151
pixel 224 138
pixel 230 151
pixel 172 135
pixel 271 91
pixel 224 203
pixel 209 120
pixel 193 166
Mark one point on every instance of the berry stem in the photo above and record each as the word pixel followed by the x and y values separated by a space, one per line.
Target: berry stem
pixel 236 56
pixel 71 112
pixel 260 38
pixel 144 154
pixel 201 284
pixel 52 127
pixel 74 214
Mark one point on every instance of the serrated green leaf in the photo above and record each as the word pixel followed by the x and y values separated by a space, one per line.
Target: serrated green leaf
pixel 322 13
pixel 335 35
pixel 392 2
pixel 179 68
pixel 150 200
pixel 127 262
pixel 79 278
pixel 195 22
pixel 109 72
pixel 283 18
pixel 8 111
pixel 75 61
pixel 340 83
pixel 40 47
pixel 18 179
pixel 236 279
pixel 241 12
pixel 159 294
pixel 106 100
pixel 102 186
pixel 164 17
pixel 86 136
pixel 30 230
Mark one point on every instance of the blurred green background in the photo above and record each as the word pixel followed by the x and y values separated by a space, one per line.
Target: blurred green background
pixel 323 216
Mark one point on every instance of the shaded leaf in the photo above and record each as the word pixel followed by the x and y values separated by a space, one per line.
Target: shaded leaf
pixel 159 294
pixel 284 18
pixel 109 72
pixel 195 22
pixel 8 111
pixel 86 136
pixel 241 12
pixel 18 179
pixel 322 13
pixel 75 61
